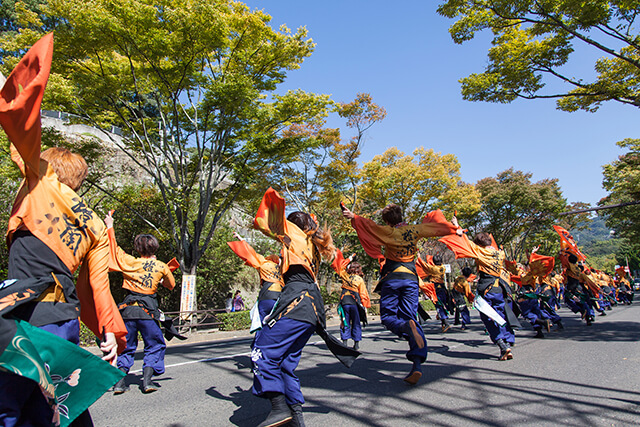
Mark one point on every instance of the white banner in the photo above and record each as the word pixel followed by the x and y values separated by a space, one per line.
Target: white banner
pixel 188 295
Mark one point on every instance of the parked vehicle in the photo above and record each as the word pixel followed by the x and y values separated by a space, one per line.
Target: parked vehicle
pixel 636 284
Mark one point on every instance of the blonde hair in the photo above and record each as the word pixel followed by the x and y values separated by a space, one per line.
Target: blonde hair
pixel 70 167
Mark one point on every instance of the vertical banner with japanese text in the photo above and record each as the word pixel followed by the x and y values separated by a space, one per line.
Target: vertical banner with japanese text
pixel 188 295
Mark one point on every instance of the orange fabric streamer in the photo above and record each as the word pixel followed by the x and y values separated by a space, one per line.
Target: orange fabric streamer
pixel 541 265
pixel 270 218
pixel 570 244
pixel 399 242
pixel 459 245
pixel 269 271
pixel 429 290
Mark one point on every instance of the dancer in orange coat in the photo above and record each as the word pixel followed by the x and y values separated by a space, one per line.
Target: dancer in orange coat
pixel 52 231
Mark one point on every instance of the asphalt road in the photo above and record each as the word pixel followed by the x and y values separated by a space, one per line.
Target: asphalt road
pixel 582 376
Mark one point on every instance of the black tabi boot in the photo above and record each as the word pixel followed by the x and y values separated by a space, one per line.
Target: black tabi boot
pixel 559 325
pixel 539 334
pixel 147 384
pixel 121 386
pixel 296 413
pixel 345 343
pixel 280 413
pixel 505 350
pixel 416 372
pixel 356 345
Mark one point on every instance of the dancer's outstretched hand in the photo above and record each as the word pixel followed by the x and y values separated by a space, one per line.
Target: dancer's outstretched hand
pixel 108 220
pixel 346 212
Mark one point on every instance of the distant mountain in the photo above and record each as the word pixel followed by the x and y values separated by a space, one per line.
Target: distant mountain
pixel 596 232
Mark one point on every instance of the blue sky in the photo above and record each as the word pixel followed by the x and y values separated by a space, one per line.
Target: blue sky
pixel 401 53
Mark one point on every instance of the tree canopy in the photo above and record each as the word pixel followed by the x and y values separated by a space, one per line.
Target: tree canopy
pixel 193 86
pixel 419 183
pixel 519 213
pixel 622 181
pixel 533 40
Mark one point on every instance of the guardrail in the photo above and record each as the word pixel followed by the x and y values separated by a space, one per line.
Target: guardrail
pixel 189 321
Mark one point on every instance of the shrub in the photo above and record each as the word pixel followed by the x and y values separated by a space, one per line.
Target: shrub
pixel 329 299
pixel 234 321
pixel 87 338
pixel 428 305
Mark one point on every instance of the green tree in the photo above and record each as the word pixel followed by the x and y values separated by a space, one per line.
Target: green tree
pixel 622 181
pixel 10 13
pixel 327 171
pixel 533 40
pixel 341 176
pixel 519 213
pixel 418 183
pixel 192 85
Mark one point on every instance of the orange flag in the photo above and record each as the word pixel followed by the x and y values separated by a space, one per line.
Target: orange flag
pixel 541 265
pixel 20 102
pixel 270 218
pixel 173 264
pixel 569 244
pixel 339 262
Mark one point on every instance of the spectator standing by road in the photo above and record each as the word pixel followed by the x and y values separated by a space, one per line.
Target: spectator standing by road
pixel 238 303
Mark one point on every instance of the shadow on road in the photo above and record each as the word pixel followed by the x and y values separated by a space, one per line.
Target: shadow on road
pixel 478 395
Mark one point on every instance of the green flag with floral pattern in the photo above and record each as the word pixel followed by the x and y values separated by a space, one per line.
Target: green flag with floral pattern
pixel 70 378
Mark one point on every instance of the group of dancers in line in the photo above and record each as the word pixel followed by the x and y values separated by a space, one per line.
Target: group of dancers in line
pixel 506 290
pixel 53 234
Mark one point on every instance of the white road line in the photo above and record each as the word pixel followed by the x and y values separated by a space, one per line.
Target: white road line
pixel 231 356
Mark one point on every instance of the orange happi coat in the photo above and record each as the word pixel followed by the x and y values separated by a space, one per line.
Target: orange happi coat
pixel 140 275
pixel 350 282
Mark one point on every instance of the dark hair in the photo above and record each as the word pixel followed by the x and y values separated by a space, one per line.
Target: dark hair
pixel 238 291
pixel 146 244
pixel 321 238
pixel 229 295
pixel 482 239
pixel 437 259
pixel 573 259
pixel 392 214
pixel 355 268
pixel 303 220
pixel 466 272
